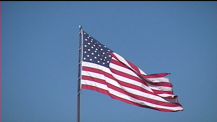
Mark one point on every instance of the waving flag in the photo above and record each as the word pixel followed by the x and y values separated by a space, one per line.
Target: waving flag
pixel 106 72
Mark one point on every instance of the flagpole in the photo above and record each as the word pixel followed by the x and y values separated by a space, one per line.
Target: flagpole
pixel 79 72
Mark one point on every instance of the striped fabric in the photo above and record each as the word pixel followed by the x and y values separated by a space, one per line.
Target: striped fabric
pixel 106 72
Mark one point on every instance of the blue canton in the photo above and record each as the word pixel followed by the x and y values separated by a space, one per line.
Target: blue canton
pixel 95 52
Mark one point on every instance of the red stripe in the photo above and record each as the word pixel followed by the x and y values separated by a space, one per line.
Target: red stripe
pixel 125 74
pixel 143 81
pixel 165 92
pixel 162 92
pixel 130 94
pixel 156 75
pixel 132 66
pixel 163 84
pixel 122 83
pixel 121 99
pixel 167 84
pixel 119 81
pixel 139 97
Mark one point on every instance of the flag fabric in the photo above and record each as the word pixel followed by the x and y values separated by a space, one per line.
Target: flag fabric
pixel 107 72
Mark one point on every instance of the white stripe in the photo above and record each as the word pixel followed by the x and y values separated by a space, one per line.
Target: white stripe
pixel 110 81
pixel 119 77
pixel 154 80
pixel 161 88
pixel 120 58
pixel 96 66
pixel 125 62
pixel 142 72
pixel 158 80
pixel 92 83
pixel 124 96
pixel 92 65
pixel 133 82
pixel 129 72
pixel 122 69
pixel 166 95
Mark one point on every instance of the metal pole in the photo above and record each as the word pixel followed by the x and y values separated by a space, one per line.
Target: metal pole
pixel 79 72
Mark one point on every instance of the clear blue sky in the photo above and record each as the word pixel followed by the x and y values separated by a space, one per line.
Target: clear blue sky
pixel 40 58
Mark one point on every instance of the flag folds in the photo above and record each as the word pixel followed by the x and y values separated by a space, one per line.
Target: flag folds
pixel 107 72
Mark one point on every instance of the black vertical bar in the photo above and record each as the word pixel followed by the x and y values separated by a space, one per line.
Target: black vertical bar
pixel 79 74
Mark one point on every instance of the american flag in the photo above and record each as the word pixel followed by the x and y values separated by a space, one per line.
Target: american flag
pixel 106 72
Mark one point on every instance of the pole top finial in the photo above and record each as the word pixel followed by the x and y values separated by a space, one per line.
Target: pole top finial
pixel 80 26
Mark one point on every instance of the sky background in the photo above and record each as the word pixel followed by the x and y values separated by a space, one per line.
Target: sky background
pixel 40 58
